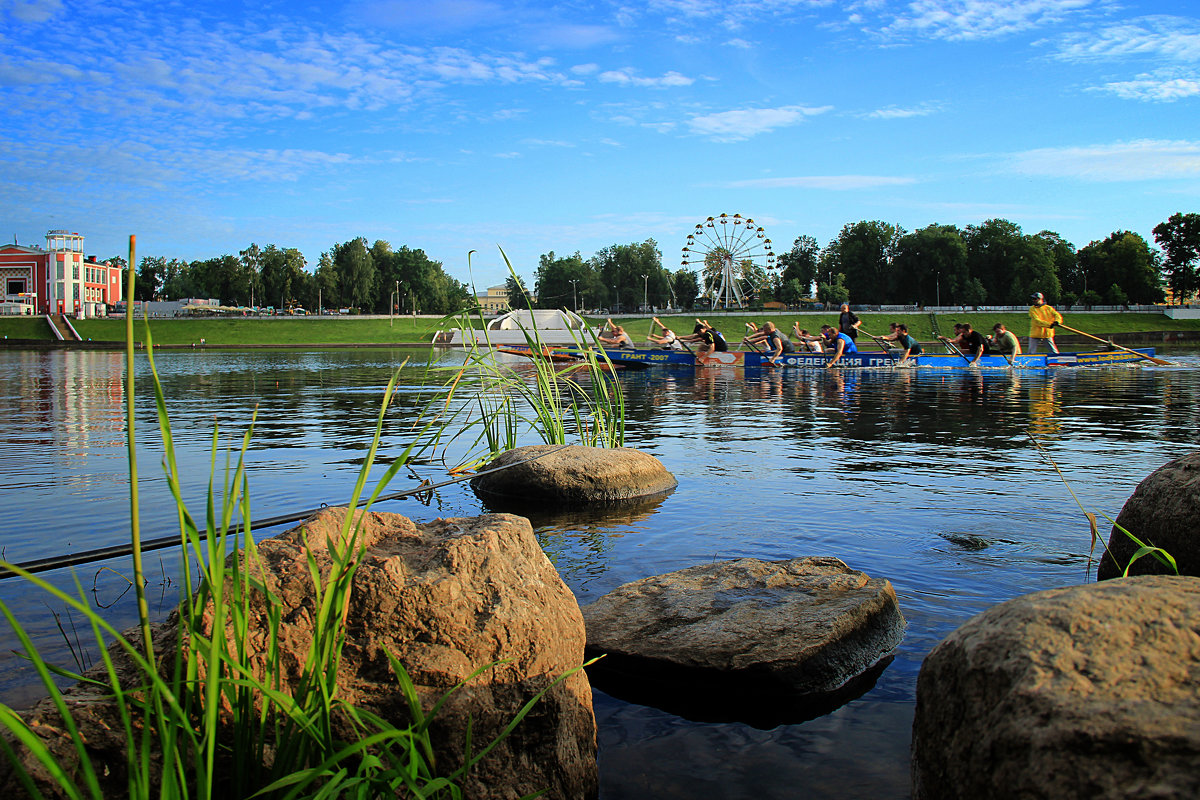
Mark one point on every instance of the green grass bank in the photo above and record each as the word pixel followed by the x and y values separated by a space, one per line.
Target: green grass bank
pixel 348 331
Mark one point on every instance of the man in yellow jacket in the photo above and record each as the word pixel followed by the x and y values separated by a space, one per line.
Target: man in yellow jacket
pixel 1042 319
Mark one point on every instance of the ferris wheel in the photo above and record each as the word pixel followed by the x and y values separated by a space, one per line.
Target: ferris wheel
pixel 731 252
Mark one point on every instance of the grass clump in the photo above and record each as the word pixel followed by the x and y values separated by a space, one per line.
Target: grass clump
pixel 191 714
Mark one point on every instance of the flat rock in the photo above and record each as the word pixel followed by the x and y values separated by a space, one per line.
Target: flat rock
pixel 1164 511
pixel 572 475
pixel 1083 692
pixel 750 630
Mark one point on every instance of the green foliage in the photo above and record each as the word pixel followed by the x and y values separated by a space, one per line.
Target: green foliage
pixel 685 288
pixel 621 267
pixel 1124 260
pixel 800 263
pixel 358 278
pixel 202 722
pixel 1010 265
pixel 566 282
pixel 1179 238
pixel 863 253
pixel 518 295
pixel 930 267
pixel 834 293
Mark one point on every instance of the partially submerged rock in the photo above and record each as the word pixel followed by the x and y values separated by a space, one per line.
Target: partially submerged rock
pixel 796 635
pixel 444 598
pixel 572 475
pixel 1164 511
pixel 1085 692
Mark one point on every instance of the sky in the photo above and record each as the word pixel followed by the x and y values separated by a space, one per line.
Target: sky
pixel 529 127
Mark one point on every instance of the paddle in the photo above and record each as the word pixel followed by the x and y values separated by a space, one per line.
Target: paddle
pixel 954 349
pixel 768 360
pixel 1119 347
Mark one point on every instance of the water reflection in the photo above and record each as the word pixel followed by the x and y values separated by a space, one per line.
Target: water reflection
pixel 926 478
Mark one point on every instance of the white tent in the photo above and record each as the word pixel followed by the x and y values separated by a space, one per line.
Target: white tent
pixel 543 320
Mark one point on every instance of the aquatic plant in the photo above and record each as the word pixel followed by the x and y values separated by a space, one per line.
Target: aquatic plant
pixel 1143 549
pixel 576 402
pixel 196 719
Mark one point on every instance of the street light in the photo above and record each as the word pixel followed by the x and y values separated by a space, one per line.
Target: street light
pixel 617 301
pixel 939 288
pixel 574 297
pixel 645 289
pixel 392 299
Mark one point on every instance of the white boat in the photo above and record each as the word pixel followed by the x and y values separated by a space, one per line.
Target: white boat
pixel 554 327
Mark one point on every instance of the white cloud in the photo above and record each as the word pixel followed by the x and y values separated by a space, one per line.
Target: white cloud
pixel 1171 38
pixel 547 143
pixel 1143 159
pixel 980 19
pixel 831 182
pixel 31 10
pixel 1157 87
pixel 895 112
pixel 627 77
pixel 741 124
pixel 585 69
pixel 741 44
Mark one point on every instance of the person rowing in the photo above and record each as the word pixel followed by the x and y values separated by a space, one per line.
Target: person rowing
pixel 842 344
pixel 809 342
pixel 1004 341
pixel 903 340
pixel 777 344
pixel 709 339
pixel 668 340
pixel 619 338
pixel 968 342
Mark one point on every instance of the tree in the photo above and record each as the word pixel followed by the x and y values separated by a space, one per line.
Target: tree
pixel 1124 268
pixel 518 295
pixel 793 292
pixel 930 266
pixel 620 268
pixel 562 282
pixel 283 278
pixel 685 288
pixel 1179 238
pixel 251 259
pixel 800 263
pixel 328 281
pixel 1010 265
pixel 358 278
pixel 177 280
pixel 220 278
pixel 863 253
pixel 1066 263
pixel 149 279
pixel 835 292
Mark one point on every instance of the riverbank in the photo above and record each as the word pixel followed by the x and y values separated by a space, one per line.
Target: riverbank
pixel 250 332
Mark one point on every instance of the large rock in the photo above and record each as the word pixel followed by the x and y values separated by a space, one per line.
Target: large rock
pixel 572 475
pixel 1163 511
pixel 1084 692
pixel 446 598
pixel 794 635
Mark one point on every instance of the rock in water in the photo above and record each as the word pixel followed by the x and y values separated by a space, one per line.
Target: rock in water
pixel 572 475
pixel 445 598
pixel 1086 692
pixel 751 631
pixel 1164 511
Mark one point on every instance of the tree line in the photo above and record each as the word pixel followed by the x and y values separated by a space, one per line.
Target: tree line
pixel 372 278
pixel 868 263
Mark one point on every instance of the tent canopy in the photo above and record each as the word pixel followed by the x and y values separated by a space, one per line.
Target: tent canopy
pixel 544 320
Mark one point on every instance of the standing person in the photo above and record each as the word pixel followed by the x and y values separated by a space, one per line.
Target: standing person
pixel 1005 341
pixel 848 322
pixel 1042 319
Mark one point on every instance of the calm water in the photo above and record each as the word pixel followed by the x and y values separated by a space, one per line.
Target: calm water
pixel 924 478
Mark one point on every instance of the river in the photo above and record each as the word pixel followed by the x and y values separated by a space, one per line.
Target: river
pixel 927 478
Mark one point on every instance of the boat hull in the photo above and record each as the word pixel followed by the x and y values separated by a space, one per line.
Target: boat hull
pixel 859 360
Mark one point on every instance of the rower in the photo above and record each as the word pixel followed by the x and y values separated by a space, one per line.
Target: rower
pixel 1004 341
pixel 842 344
pixel 807 340
pixel 619 338
pixel 776 342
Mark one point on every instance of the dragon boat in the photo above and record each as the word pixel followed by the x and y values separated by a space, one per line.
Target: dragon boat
pixel 635 357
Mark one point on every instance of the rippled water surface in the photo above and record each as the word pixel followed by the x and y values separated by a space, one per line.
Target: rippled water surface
pixel 928 479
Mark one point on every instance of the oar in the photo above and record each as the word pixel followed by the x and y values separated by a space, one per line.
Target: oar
pixel 766 361
pixel 879 340
pixel 1114 344
pixel 954 349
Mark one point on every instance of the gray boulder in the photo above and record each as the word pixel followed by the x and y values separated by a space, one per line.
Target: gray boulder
pixel 718 641
pixel 1085 692
pixel 1164 511
pixel 572 475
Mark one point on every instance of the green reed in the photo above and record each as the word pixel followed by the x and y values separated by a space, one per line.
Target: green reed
pixel 576 402
pixel 200 719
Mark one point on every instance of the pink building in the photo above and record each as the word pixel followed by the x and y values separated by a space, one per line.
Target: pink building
pixel 58 279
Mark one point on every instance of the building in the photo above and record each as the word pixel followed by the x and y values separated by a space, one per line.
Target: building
pixel 495 301
pixel 58 278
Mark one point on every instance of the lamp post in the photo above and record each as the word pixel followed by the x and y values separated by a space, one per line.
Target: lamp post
pixel 645 290
pixel 617 301
pixel 393 298
pixel 939 288
pixel 574 297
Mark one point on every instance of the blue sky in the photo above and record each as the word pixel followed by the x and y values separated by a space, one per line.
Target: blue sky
pixel 471 124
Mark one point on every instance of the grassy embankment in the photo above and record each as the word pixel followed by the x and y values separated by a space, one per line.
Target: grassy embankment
pixel 407 330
